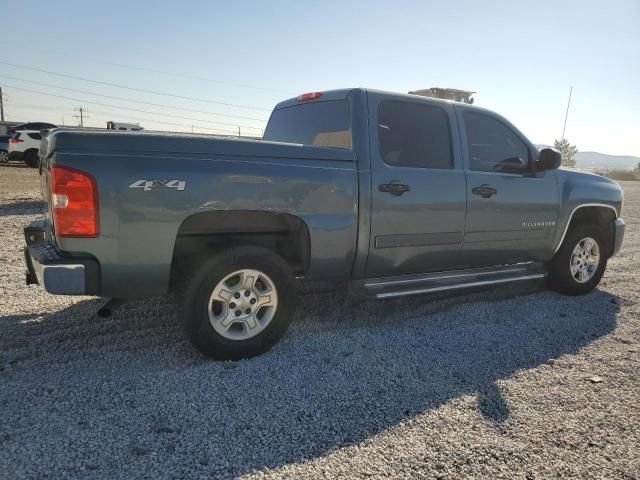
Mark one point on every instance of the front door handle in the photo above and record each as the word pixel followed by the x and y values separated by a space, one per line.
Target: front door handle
pixel 394 188
pixel 484 190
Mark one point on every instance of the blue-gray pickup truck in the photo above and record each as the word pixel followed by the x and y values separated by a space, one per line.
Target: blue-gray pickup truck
pixel 394 194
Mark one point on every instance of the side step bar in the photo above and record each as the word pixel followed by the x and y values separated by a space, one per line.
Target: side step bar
pixel 389 287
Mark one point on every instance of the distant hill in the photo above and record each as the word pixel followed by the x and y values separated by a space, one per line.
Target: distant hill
pixel 602 161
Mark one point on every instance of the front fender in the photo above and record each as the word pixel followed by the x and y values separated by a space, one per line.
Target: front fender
pixel 580 190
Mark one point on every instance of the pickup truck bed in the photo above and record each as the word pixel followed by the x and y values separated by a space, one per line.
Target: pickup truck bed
pixel 231 186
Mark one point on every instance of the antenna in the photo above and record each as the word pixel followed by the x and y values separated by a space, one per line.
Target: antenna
pixel 567 114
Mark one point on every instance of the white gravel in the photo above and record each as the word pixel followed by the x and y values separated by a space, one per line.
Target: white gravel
pixel 497 384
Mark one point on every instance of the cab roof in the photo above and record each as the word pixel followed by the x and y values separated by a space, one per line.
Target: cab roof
pixel 343 93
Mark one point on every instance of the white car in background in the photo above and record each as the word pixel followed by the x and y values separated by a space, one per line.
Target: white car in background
pixel 25 142
pixel 124 127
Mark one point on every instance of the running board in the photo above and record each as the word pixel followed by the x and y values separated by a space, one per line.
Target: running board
pixel 389 287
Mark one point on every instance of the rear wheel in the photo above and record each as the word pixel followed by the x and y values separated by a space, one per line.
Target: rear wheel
pixel 238 303
pixel 4 156
pixel 580 262
pixel 31 158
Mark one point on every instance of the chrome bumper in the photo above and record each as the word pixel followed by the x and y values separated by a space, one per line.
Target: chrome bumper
pixel 58 273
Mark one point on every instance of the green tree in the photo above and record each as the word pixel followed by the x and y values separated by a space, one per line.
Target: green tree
pixel 567 151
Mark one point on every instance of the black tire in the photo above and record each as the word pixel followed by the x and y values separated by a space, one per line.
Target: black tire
pixel 31 158
pixel 560 278
pixel 4 156
pixel 198 287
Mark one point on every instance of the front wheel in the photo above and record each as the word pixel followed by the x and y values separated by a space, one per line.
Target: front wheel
pixel 239 303
pixel 579 264
pixel 4 156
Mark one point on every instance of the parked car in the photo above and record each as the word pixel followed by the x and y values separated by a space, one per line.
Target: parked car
pixel 24 145
pixel 36 126
pixel 4 148
pixel 394 194
pixel 25 141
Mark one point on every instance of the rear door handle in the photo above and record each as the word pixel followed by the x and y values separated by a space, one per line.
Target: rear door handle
pixel 394 188
pixel 484 190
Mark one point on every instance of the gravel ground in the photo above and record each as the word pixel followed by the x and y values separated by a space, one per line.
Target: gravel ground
pixel 498 384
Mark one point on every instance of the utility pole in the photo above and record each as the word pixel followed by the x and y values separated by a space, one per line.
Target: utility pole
pixel 567 114
pixel 81 115
pixel 1 106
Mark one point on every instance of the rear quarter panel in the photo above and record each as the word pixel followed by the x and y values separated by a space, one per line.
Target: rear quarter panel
pixel 138 227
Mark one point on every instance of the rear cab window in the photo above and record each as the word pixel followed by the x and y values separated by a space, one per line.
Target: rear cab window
pixel 323 124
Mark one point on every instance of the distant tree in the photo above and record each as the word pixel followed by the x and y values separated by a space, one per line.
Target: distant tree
pixel 567 150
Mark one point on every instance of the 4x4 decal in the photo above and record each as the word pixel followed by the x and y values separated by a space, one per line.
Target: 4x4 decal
pixel 147 185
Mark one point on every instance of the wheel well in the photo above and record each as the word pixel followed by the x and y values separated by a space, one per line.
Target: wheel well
pixel 208 232
pixel 594 215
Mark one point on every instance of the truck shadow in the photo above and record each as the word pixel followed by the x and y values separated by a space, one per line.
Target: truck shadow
pixel 22 207
pixel 347 371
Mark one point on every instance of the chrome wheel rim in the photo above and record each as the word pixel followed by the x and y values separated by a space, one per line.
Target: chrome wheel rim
pixel 4 156
pixel 584 260
pixel 243 304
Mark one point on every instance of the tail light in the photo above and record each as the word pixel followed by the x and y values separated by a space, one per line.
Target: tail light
pixel 74 202
pixel 16 139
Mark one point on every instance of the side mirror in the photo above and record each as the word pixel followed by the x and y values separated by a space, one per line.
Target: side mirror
pixel 548 159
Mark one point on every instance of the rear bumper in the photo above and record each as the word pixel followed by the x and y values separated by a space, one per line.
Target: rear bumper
pixel 59 274
pixel 618 235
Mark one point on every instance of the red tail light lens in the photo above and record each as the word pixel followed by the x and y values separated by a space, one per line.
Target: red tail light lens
pixel 74 201
pixel 16 139
pixel 309 96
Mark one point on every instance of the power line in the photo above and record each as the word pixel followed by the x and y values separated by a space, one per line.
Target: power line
pixel 131 100
pixel 162 122
pixel 110 115
pixel 183 75
pixel 36 107
pixel 126 108
pixel 153 70
pixel 183 97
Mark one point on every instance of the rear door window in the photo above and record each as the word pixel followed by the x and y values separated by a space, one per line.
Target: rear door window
pixel 414 135
pixel 324 124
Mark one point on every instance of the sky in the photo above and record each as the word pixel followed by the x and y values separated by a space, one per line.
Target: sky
pixel 520 58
